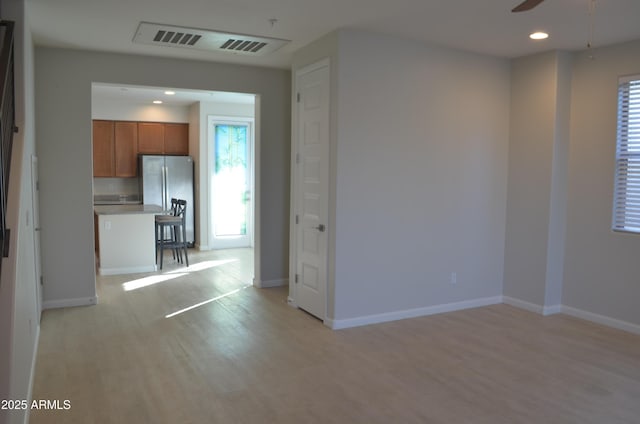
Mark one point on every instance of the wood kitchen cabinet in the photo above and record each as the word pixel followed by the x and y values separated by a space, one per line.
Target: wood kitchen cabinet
pixel 103 149
pixel 176 139
pixel 126 149
pixel 151 137
pixel 116 144
pixel 163 138
pixel 115 149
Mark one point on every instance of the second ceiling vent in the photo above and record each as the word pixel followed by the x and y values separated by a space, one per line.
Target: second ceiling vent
pixel 204 39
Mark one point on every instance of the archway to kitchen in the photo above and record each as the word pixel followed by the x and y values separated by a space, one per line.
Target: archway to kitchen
pixel 193 109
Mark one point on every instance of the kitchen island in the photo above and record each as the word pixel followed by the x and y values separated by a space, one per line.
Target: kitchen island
pixel 125 238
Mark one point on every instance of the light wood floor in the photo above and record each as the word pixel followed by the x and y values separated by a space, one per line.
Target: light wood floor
pixel 247 357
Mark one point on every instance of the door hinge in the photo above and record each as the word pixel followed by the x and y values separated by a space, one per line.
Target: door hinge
pixel 297 219
pixel 41 280
pixel 296 279
pixel 298 97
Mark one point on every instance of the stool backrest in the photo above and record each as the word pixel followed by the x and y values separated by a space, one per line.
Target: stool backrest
pixel 174 207
pixel 181 208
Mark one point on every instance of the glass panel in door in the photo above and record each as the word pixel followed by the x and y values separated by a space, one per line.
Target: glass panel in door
pixel 231 197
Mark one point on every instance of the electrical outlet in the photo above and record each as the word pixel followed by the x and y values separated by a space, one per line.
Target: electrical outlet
pixel 454 278
pixel 107 225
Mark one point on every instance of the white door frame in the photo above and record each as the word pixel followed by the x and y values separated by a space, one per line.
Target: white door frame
pixel 35 212
pixel 213 120
pixel 293 243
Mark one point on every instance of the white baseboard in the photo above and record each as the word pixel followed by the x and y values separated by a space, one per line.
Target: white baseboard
pixel 532 307
pixel 601 319
pixel 527 306
pixel 338 324
pixel 578 313
pixel 67 303
pixel 274 283
pixel 127 270
pixel 411 313
pixel 551 310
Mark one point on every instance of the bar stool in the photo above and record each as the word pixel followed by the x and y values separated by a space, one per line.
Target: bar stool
pixel 175 223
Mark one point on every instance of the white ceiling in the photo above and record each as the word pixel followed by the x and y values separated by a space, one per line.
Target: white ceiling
pixel 483 26
pixel 137 95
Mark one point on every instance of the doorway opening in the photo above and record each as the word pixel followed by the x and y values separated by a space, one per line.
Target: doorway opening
pixel 138 105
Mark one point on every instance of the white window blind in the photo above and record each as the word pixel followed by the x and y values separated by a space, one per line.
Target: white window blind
pixel 626 208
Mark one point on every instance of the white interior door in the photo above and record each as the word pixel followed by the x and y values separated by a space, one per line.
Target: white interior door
pixel 231 165
pixel 35 187
pixel 311 189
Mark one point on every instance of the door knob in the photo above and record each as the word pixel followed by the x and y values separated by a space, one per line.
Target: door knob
pixel 320 228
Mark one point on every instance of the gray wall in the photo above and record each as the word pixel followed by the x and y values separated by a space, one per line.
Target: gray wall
pixel 560 249
pixel 536 206
pixel 419 140
pixel 19 315
pixel 602 267
pixel 407 214
pixel 421 175
pixel 63 87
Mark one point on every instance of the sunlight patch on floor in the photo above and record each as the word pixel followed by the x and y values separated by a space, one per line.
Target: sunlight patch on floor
pixel 197 305
pixel 203 265
pixel 170 275
pixel 149 281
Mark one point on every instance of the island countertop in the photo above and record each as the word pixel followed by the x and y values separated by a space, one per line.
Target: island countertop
pixel 127 209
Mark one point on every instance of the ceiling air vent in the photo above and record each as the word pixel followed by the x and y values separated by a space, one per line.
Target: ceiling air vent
pixel 178 38
pixel 233 44
pixel 205 39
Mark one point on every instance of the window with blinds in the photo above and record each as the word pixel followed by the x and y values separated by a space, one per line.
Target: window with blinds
pixel 626 207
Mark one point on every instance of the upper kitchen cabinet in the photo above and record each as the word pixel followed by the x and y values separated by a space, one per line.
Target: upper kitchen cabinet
pixel 176 139
pixel 126 149
pixel 115 149
pixel 116 144
pixel 163 138
pixel 151 137
pixel 103 149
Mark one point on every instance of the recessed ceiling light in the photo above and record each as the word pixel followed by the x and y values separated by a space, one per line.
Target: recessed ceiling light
pixel 158 102
pixel 169 93
pixel 539 35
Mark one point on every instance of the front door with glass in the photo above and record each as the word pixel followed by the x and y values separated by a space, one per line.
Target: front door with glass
pixel 231 183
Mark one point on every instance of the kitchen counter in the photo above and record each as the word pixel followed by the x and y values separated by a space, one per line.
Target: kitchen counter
pixel 116 199
pixel 126 238
pixel 127 209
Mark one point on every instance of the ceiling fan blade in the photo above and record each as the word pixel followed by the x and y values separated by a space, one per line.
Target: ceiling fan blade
pixel 526 5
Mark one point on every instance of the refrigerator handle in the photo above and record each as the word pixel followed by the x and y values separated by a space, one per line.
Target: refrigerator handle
pixel 164 188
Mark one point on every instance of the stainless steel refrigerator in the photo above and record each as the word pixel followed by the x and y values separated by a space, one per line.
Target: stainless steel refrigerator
pixel 163 177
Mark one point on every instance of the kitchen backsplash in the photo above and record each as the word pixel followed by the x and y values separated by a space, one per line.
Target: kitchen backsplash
pixel 116 186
